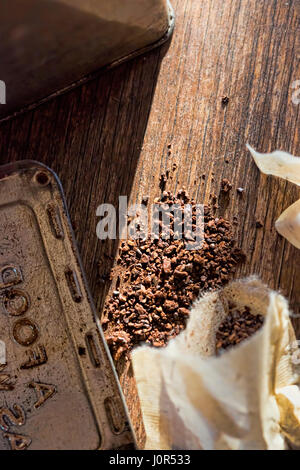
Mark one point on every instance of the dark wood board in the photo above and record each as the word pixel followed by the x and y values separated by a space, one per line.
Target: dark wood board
pixel 110 137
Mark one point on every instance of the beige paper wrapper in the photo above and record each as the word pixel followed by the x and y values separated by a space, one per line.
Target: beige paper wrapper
pixel 284 165
pixel 247 398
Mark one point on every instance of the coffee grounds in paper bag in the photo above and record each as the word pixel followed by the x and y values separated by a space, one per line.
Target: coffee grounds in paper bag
pixel 246 398
pixel 238 326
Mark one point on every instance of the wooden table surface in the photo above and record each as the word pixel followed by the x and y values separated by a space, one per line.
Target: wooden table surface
pixel 110 137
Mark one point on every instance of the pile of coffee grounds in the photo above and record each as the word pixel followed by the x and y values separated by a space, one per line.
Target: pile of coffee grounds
pixel 226 186
pixel 158 280
pixel 238 326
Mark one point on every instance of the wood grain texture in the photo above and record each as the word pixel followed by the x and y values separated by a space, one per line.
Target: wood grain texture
pixel 110 137
pixel 250 52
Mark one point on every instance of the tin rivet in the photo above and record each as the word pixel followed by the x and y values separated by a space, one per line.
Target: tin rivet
pixel 42 178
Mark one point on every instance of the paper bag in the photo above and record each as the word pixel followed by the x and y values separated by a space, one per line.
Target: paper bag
pixel 247 398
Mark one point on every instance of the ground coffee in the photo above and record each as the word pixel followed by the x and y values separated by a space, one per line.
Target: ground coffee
pixel 238 326
pixel 159 279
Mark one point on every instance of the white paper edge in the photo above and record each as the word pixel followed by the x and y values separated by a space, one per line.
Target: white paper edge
pixel 278 163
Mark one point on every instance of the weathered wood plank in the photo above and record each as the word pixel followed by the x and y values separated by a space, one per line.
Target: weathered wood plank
pixel 248 51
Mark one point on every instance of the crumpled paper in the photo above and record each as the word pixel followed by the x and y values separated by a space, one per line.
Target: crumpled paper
pixel 285 166
pixel 247 398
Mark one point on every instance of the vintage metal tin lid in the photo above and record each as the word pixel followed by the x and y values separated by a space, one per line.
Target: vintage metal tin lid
pixel 58 386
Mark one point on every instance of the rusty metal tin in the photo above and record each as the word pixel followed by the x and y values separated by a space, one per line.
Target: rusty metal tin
pixel 48 48
pixel 58 386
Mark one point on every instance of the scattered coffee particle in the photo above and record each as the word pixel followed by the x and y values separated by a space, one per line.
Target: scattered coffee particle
pixel 235 220
pixel 226 186
pixel 163 181
pixel 238 326
pixel 225 100
pixel 258 224
pixel 145 200
pixel 214 200
pixel 167 266
pixel 144 259
pixel 183 311
pixel 161 279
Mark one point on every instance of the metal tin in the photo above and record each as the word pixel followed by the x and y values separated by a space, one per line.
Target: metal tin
pixel 58 386
pixel 49 47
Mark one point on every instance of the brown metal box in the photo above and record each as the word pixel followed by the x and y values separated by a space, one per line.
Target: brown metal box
pixel 47 46
pixel 58 386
